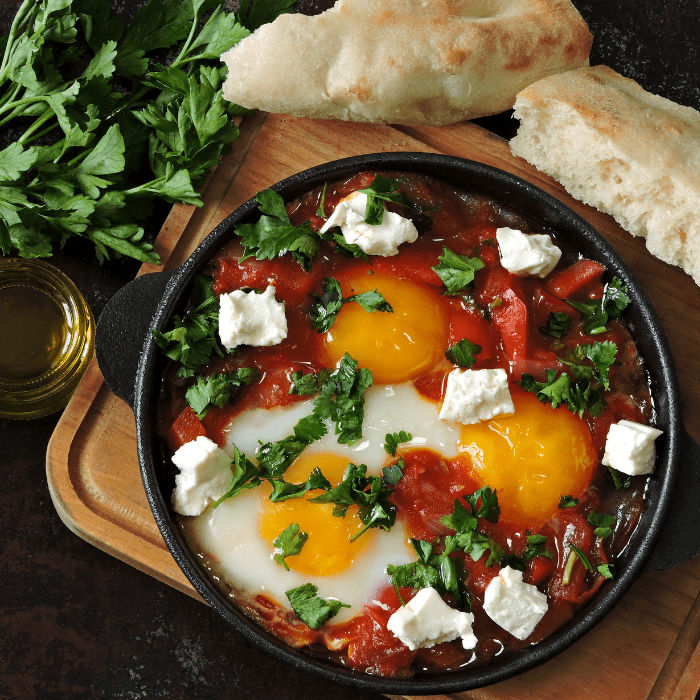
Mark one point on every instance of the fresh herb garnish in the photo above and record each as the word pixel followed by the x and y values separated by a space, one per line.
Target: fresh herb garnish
pixel 321 211
pixel 392 474
pixel 536 547
pixel 567 502
pixel 283 490
pixel 393 440
pixel 606 570
pixel 463 353
pixel 619 479
pixel 584 559
pixel 245 476
pixel 327 305
pixel 341 401
pixel 288 543
pixel 217 389
pixel 558 324
pixel 602 523
pixel 193 340
pixel 585 391
pixel 382 189
pixel 310 383
pixel 77 167
pixel 273 235
pixel 371 495
pixel 456 271
pixel 597 312
pixel 310 609
pixel 438 571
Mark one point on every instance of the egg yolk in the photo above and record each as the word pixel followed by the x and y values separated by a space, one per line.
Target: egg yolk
pixel 397 346
pixel 532 457
pixel 328 549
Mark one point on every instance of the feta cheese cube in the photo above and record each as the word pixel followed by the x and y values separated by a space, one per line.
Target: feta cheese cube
pixel 527 254
pixel 514 605
pixel 426 620
pixel 629 447
pixel 474 395
pixel 381 240
pixel 205 476
pixel 248 318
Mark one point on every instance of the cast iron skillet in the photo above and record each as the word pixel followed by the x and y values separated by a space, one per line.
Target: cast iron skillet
pixel 126 350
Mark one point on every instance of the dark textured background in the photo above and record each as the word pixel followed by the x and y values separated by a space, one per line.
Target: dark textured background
pixel 76 624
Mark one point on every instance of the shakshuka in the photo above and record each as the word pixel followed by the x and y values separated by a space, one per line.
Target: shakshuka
pixel 408 432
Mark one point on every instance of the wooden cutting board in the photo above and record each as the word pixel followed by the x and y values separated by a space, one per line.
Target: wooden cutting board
pixel 646 648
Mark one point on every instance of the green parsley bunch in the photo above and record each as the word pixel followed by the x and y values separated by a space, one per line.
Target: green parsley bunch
pixel 104 128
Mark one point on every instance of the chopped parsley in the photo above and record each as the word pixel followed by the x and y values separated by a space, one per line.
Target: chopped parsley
pixel 382 189
pixel 393 440
pixel 327 305
pixel 217 389
pixel 595 313
pixel 193 340
pixel 606 570
pixel 602 523
pixel 245 476
pixel 288 543
pixel 590 365
pixel 567 502
pixel 463 353
pixel 619 479
pixel 310 609
pixel 558 324
pixel 283 490
pixel 370 493
pixel 274 235
pixel 456 271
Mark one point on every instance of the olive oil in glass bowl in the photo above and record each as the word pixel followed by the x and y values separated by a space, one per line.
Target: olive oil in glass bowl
pixel 46 338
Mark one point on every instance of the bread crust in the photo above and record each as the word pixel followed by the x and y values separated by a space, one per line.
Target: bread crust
pixel 625 151
pixel 405 61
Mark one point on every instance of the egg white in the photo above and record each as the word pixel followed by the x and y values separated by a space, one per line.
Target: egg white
pixel 230 534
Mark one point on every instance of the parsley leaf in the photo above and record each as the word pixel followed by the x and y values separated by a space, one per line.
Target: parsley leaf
pixel 558 324
pixel 567 502
pixel 193 341
pixel 602 523
pixel 310 383
pixel 274 235
pixel 288 543
pixel 245 476
pixel 456 271
pixel 282 490
pixel 536 547
pixel 463 353
pixel 217 389
pixel 326 307
pixel 606 570
pixel 488 504
pixel 393 440
pixel 597 312
pixel 382 189
pixel 371 495
pixel 309 608
pixel 392 474
pixel 619 479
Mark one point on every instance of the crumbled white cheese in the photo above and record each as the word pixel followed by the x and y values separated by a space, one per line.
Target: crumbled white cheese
pixel 426 620
pixel 205 475
pixel 474 395
pixel 249 318
pixel 514 605
pixel 527 254
pixel 383 239
pixel 629 447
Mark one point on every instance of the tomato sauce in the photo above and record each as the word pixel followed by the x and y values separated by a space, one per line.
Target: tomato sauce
pixel 504 315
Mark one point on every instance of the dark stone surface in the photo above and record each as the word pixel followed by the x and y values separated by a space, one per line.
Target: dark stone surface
pixel 76 623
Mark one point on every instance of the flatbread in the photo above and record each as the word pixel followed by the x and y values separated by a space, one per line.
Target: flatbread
pixel 405 61
pixel 621 149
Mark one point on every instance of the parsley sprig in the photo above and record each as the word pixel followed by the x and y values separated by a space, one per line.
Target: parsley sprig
pixel 92 154
pixel 310 608
pixel 597 312
pixel 289 543
pixel 383 189
pixel 590 366
pixel 456 271
pixel 217 389
pixel 326 307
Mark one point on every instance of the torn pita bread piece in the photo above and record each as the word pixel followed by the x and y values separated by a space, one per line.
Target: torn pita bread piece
pixel 621 149
pixel 405 61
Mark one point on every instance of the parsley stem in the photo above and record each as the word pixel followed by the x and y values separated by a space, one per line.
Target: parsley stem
pixel 566 577
pixel 27 7
pixel 38 123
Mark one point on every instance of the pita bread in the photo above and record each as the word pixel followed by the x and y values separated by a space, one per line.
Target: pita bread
pixel 405 61
pixel 623 150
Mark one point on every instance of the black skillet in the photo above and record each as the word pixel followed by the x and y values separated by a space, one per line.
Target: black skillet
pixel 668 532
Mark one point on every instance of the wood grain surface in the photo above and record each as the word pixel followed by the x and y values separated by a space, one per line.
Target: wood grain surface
pixel 647 647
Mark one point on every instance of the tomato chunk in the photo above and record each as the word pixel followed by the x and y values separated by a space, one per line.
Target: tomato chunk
pixel 187 427
pixel 583 277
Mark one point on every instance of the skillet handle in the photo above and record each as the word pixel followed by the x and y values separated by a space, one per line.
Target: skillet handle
pixel 123 327
pixel 680 537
